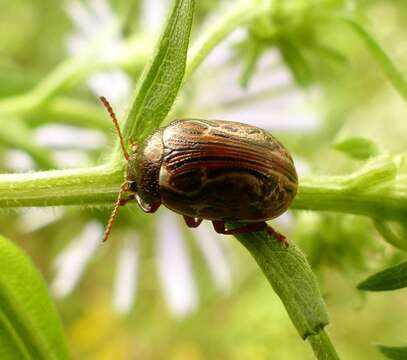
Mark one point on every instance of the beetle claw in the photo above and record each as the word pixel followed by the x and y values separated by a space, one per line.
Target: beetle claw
pixel 219 227
pixel 276 235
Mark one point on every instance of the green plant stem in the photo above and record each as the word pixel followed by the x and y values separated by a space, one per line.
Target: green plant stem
pixel 322 346
pixel 252 98
pixel 329 194
pixel 88 186
pixel 17 135
pixel 393 74
pixel 99 185
pixel 72 72
pixel 394 233
pixel 52 84
pixel 241 13
pixel 291 277
pixel 313 195
pixel 71 111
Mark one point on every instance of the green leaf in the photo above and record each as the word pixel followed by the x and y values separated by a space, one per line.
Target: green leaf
pixel 251 53
pixel 296 62
pixel 392 278
pixel 292 279
pixel 358 148
pixel 393 74
pixel 329 54
pixel 30 327
pixel 162 77
pixel 394 353
pixel 394 232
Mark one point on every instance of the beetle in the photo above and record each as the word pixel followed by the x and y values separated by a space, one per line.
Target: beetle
pixel 216 170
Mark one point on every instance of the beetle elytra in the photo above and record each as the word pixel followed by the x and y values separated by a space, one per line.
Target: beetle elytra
pixel 215 170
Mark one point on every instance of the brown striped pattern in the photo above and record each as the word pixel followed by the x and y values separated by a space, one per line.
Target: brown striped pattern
pixel 222 170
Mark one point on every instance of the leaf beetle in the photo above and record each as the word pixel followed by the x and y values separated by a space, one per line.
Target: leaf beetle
pixel 215 170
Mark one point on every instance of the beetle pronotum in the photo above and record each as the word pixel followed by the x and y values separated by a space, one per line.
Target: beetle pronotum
pixel 221 171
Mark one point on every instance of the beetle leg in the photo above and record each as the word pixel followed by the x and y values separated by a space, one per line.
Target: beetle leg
pixel 279 237
pixel 192 222
pixel 148 208
pixel 219 227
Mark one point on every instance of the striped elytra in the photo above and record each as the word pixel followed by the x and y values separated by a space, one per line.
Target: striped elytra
pixel 215 170
pixel 221 171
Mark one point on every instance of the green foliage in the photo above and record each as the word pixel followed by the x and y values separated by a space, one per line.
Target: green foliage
pixel 393 74
pixel 395 233
pixel 162 78
pixel 300 31
pixel 297 63
pixel 377 190
pixel 358 148
pixel 392 278
pixel 252 53
pixel 292 279
pixel 394 353
pixel 17 135
pixel 342 239
pixel 320 344
pixel 30 327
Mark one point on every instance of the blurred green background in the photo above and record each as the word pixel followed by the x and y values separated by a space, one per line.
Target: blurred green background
pixel 317 84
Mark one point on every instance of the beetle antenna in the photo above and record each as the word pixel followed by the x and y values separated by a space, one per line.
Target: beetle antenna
pixel 113 216
pixel 109 109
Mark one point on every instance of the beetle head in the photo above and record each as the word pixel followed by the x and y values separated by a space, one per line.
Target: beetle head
pixel 131 171
pixel 143 168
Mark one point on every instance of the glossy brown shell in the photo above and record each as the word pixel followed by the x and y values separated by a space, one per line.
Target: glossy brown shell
pixel 217 170
pixel 144 166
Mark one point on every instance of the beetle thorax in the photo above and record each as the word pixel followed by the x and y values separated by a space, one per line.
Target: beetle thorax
pixel 143 168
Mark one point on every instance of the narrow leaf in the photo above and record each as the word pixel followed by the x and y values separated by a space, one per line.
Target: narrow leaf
pixel 392 278
pixel 358 148
pixel 296 62
pixel 329 54
pixel 395 233
pixel 253 51
pixel 394 353
pixel 162 78
pixel 292 279
pixel 29 324
pixel 393 74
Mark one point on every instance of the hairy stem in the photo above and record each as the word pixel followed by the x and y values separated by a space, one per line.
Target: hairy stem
pixel 322 346
pixel 88 186
pixel 291 277
pixel 384 199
